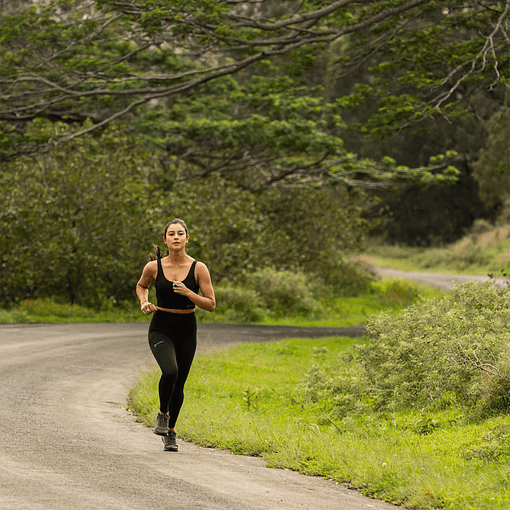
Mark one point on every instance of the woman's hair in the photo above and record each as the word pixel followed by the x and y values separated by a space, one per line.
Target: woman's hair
pixel 157 250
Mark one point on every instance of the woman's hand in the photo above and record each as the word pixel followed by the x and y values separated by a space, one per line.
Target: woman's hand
pixel 180 288
pixel 147 308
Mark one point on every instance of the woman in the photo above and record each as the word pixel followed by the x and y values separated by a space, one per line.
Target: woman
pixel 173 329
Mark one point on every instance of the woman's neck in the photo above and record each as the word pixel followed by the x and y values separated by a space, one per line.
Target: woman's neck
pixel 177 257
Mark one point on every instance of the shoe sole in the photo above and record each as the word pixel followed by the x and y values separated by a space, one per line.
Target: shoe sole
pixel 160 431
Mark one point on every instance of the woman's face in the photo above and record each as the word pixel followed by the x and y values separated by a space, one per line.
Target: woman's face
pixel 176 237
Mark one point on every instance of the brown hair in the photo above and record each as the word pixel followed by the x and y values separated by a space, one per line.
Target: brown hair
pixel 157 250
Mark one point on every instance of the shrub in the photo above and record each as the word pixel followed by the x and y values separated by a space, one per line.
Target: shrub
pixel 238 304
pixel 284 292
pixel 399 293
pixel 457 346
pixel 436 353
pixel 349 278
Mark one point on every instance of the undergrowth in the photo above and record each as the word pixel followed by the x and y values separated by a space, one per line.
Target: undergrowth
pixel 272 303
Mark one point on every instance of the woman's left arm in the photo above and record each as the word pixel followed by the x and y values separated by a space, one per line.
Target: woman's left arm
pixel 207 300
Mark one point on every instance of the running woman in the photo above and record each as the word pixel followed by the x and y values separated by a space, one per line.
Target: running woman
pixel 178 279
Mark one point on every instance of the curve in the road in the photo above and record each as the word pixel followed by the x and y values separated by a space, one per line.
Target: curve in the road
pixel 67 440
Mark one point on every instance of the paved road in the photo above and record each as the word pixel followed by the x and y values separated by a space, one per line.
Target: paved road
pixel 66 441
pixel 442 281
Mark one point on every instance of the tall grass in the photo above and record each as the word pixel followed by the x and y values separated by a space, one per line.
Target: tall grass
pixel 480 252
pixel 48 310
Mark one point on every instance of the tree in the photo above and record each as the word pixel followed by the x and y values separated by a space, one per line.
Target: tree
pixel 492 170
pixel 111 59
pixel 430 63
pixel 454 58
pixel 437 214
pixel 72 220
pixel 78 222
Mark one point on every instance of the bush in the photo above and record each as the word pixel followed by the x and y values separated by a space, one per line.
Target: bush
pixel 284 292
pixel 399 293
pixel 434 354
pixel 349 278
pixel 455 346
pixel 236 304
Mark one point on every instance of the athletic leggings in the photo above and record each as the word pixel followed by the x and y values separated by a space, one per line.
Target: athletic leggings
pixel 173 341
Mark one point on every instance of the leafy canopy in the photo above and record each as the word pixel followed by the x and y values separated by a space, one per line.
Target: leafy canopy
pixel 158 60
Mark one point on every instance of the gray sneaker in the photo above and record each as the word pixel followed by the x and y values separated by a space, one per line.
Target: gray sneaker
pixel 161 428
pixel 169 442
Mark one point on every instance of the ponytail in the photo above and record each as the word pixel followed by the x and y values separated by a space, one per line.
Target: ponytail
pixel 157 253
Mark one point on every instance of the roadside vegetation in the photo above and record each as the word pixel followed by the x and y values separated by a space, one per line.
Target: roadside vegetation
pixel 415 413
pixel 484 250
pixel 282 160
pixel 266 298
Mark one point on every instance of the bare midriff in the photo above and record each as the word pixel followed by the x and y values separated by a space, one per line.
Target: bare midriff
pixel 172 310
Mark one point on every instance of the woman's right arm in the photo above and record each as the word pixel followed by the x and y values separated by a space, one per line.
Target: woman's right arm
pixel 142 287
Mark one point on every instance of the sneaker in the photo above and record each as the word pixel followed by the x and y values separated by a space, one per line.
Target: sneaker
pixel 161 428
pixel 169 442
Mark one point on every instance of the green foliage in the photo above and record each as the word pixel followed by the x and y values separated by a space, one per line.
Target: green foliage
pixel 72 221
pixel 165 67
pixel 492 170
pixel 227 225
pixel 238 304
pixel 420 90
pixel 434 354
pixel 429 63
pixel 94 229
pixel 399 293
pixel 347 278
pixel 456 346
pixel 284 292
pixel 308 227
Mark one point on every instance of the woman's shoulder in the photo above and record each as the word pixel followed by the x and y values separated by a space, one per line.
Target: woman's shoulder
pixel 151 267
pixel 201 269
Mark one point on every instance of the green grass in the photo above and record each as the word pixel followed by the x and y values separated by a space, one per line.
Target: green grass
pixel 48 310
pixel 249 399
pixel 481 254
pixel 389 294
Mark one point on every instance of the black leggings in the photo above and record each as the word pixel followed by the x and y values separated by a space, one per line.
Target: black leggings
pixel 173 341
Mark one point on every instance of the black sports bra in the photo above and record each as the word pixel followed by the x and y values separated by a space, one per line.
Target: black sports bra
pixel 165 294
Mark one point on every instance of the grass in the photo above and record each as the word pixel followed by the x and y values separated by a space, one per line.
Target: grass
pixel 389 294
pixel 48 310
pixel 250 399
pixel 478 253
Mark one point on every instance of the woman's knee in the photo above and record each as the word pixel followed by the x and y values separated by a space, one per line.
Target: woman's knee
pixel 170 370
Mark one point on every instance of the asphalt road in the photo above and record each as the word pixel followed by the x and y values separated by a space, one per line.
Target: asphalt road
pixel 67 442
pixel 442 281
